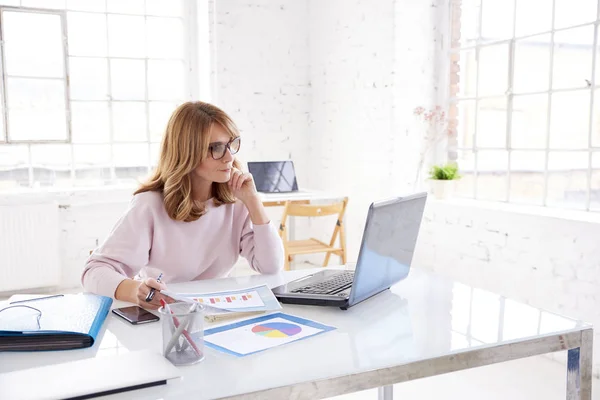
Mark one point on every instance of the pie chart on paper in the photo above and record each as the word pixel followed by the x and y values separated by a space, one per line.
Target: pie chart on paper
pixel 276 329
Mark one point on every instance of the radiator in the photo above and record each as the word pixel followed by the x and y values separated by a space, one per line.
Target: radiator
pixel 29 246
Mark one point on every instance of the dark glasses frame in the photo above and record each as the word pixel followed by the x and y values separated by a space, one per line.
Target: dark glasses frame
pixel 227 147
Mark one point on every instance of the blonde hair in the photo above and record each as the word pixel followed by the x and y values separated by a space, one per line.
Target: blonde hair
pixel 184 146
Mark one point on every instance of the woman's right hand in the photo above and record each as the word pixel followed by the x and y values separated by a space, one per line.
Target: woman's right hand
pixel 143 290
pixel 138 290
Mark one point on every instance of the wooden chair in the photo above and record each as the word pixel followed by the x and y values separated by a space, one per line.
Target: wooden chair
pixel 312 245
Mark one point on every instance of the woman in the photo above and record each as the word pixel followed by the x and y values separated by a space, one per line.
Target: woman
pixel 191 220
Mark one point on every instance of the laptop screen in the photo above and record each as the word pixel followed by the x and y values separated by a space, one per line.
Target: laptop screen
pixel 274 176
pixel 388 245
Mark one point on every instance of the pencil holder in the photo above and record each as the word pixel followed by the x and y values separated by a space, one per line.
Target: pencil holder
pixel 183 333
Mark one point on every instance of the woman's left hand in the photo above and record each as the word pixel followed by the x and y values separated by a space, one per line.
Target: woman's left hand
pixel 242 185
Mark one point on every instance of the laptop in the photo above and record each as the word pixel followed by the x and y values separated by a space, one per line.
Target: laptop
pixel 274 176
pixel 385 256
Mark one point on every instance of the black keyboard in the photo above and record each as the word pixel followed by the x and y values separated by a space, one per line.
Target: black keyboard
pixel 334 284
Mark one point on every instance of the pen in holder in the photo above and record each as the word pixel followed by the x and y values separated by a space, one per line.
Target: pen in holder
pixel 183 332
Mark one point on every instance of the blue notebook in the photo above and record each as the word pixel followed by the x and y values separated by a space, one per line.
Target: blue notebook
pixel 70 321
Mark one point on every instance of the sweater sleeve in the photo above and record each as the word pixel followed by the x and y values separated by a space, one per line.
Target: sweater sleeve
pixel 262 247
pixel 124 252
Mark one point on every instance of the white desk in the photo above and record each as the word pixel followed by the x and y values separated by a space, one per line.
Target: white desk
pixel 424 326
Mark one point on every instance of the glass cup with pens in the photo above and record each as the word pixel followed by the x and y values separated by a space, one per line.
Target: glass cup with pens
pixel 183 332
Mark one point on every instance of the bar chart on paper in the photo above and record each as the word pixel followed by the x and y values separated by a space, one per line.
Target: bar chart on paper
pixel 238 300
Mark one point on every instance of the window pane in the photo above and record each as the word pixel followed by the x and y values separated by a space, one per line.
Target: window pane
pixel 165 80
pixel 128 79
pixel 573 58
pixel 491 123
pixel 14 166
pixel 40 54
pixel 165 37
pixel 527 177
pixel 165 8
pixel 493 70
pixel 125 7
pixel 90 122
pixel 126 36
pixel 87 34
pixel 129 121
pixel 597 71
pixel 596 119
pixel 51 164
pixel 88 78
pixel 492 167
pixel 533 16
pixel 2 132
pixel 86 5
pixel 466 123
pixel 529 121
pixel 159 117
pixel 567 179
pixel 92 164
pixel 467 74
pixel 569 120
pixel 469 22
pixel 595 188
pixel 496 20
pixel 131 161
pixel 568 13
pixel 532 64
pixel 466 166
pixel 36 109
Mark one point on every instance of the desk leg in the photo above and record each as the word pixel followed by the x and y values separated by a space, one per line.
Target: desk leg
pixel 386 393
pixel 579 369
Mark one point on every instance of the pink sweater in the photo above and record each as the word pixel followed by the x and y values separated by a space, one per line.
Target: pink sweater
pixel 145 242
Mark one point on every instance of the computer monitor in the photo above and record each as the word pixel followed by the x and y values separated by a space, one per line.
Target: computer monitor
pixel 274 176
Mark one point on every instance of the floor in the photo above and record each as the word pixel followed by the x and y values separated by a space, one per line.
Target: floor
pixel 531 378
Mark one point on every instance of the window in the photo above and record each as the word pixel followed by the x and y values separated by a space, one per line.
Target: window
pixel 86 95
pixel 524 93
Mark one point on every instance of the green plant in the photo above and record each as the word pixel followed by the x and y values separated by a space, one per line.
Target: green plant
pixel 446 172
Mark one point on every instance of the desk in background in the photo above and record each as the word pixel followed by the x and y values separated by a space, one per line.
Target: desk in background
pixel 409 332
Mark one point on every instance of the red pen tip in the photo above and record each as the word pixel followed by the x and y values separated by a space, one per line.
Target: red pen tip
pixel 162 302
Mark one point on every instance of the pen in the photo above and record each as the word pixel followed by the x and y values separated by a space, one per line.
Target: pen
pixel 151 293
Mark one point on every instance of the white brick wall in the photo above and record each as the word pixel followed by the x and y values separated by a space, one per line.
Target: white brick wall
pixel 372 63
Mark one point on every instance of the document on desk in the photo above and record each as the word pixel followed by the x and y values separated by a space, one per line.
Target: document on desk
pixel 258 334
pixel 255 299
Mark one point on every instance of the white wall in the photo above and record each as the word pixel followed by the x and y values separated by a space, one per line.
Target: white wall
pixel 372 63
pixel 260 71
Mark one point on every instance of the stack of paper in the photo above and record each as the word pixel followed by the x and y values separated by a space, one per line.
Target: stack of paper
pixel 231 303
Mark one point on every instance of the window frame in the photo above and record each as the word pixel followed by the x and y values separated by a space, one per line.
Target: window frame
pixel 454 55
pixel 65 77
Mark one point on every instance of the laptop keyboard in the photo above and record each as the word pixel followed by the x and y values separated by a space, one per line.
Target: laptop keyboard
pixel 333 285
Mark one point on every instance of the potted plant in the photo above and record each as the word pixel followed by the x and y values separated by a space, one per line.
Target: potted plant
pixel 442 179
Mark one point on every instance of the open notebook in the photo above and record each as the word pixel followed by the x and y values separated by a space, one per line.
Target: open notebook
pixel 58 322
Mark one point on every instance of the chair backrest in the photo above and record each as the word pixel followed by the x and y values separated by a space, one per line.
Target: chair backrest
pixel 313 210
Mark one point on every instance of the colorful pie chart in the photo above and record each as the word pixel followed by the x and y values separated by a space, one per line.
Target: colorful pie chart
pixel 276 329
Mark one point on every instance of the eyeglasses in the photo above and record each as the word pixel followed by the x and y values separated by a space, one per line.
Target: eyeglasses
pixel 217 150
